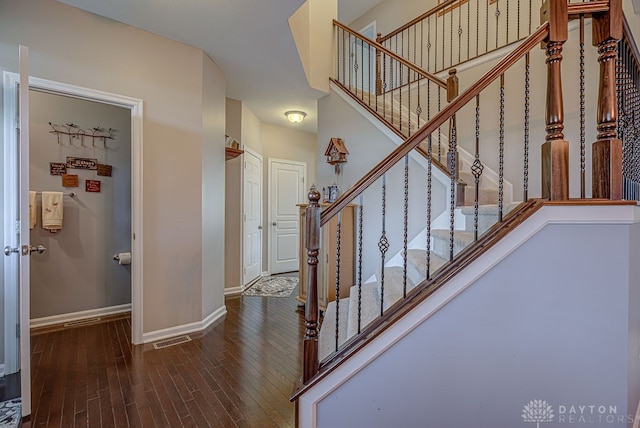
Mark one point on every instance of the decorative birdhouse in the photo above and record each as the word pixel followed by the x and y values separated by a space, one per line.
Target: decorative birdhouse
pixel 336 151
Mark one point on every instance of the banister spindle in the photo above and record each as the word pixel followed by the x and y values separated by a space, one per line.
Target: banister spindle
pixel 555 150
pixel 607 150
pixel 312 240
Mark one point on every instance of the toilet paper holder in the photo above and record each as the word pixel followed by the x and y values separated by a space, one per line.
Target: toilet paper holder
pixel 122 258
pixel 116 257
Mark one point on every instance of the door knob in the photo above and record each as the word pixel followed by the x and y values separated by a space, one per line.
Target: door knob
pixel 275 223
pixel 8 250
pixel 260 227
pixel 37 249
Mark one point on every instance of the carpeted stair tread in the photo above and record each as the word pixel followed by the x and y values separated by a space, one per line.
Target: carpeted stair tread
pixel 393 284
pixel 489 209
pixel 369 307
pixel 326 338
pixel 487 215
pixel 461 239
pixel 417 259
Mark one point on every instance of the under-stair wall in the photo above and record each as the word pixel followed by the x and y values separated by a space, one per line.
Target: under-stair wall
pixel 549 313
pixel 367 145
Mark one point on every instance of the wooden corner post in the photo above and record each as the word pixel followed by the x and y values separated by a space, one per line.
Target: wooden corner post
pixel 607 150
pixel 555 150
pixel 312 242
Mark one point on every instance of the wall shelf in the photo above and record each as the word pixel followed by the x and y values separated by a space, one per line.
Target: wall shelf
pixel 232 153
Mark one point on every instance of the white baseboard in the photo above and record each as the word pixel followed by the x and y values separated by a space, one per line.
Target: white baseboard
pixel 266 273
pixel 74 316
pixel 193 327
pixel 232 291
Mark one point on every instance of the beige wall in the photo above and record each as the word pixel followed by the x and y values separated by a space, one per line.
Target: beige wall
pixel 289 144
pixel 233 200
pixel 71 46
pixel 251 130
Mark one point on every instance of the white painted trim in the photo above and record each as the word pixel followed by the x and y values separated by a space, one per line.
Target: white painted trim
pixel 193 327
pixel 1 370
pixel 234 291
pixel 266 273
pixel 75 316
pixel 547 215
pixel 136 107
pixel 269 198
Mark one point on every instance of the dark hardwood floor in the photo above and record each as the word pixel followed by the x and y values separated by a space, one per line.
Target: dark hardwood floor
pixel 240 373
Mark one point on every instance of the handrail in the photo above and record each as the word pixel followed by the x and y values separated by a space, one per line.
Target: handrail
pixel 393 55
pixel 414 21
pixel 438 120
pixel 587 8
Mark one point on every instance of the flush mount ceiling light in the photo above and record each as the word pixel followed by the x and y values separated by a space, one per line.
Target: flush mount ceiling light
pixel 295 116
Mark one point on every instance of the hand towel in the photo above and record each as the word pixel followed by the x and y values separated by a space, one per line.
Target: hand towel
pixel 52 211
pixel 33 215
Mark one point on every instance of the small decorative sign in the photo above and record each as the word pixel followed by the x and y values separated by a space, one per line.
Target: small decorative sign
pixel 57 168
pixel 82 163
pixel 92 186
pixel 104 170
pixel 69 180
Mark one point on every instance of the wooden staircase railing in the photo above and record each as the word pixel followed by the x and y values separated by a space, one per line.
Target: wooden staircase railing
pixel 393 173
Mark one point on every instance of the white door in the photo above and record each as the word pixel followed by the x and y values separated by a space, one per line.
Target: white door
pixel 252 216
pixel 16 227
pixel 286 190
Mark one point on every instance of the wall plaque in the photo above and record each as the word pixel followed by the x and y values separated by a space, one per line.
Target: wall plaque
pixel 92 186
pixel 57 168
pixel 69 180
pixel 82 163
pixel 104 170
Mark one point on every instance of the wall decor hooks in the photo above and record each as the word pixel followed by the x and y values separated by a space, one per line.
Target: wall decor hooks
pixel 75 132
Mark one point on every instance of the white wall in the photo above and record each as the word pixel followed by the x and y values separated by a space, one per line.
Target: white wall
pixel 566 334
pixel 75 47
pixel 77 272
pixel 367 146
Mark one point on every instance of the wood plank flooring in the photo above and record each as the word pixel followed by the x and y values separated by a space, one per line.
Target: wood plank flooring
pixel 240 373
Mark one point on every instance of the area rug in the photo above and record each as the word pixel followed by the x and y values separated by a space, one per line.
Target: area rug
pixel 10 412
pixel 268 286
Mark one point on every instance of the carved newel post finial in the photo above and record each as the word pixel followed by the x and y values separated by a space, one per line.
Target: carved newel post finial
pixel 312 244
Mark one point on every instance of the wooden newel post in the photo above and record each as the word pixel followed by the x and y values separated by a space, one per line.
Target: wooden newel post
pixel 453 157
pixel 607 150
pixel 555 150
pixel 312 242
pixel 378 67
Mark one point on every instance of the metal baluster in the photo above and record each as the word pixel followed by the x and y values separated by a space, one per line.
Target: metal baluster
pixel 439 128
pixel 429 165
pixel 338 247
pixel 406 224
pixel 344 63
pixel 450 37
pixel 501 161
pixel 582 111
pixel 360 216
pixel 435 53
pixel 476 170
pixel 444 19
pixel 452 172
pixel 497 14
pixel 362 67
pixel 383 243
pixel 530 16
pixel 429 44
pixel 486 32
pixel 460 33
pixel 468 29
pixel 518 22
pixel 506 24
pixel 527 75
pixel 350 62
pixel 338 53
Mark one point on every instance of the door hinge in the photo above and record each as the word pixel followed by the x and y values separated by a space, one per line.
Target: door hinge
pixel 17 121
pixel 17 330
pixel 17 226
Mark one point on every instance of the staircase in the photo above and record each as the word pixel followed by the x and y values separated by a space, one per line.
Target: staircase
pixel 426 111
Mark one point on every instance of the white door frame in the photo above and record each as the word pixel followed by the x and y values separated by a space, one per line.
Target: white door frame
pixel 136 107
pixel 259 156
pixel 270 234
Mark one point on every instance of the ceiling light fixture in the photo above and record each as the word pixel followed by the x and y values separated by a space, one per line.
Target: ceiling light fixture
pixel 295 116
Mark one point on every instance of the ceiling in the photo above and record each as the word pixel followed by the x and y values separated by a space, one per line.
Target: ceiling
pixel 249 39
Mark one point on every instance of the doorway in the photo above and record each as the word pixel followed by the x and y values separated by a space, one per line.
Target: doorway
pixel 252 217
pixel 18 348
pixel 286 190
